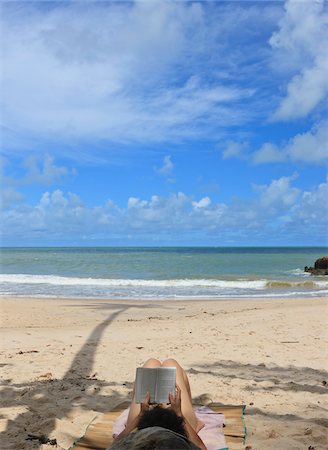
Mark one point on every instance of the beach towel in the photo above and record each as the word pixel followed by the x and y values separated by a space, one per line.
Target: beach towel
pixel 99 434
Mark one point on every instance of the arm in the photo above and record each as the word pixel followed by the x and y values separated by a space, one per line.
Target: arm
pixel 128 429
pixel 133 424
pixel 175 401
pixel 193 436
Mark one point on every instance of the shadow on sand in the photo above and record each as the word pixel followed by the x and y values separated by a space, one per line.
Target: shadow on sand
pixel 288 379
pixel 78 383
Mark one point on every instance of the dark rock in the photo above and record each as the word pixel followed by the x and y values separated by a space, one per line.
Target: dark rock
pixel 320 267
pixel 321 263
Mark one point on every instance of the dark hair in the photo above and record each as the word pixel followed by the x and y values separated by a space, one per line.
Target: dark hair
pixel 162 417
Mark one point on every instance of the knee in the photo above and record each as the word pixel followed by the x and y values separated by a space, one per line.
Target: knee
pixel 152 362
pixel 170 363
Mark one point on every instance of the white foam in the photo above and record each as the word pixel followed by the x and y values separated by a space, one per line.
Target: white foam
pixel 113 282
pixel 298 272
pixel 53 280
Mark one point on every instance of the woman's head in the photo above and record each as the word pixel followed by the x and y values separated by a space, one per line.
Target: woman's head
pixel 162 417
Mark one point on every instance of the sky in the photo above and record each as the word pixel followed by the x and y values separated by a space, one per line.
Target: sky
pixel 164 123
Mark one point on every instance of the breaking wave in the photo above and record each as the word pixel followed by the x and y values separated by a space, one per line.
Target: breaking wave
pixel 63 286
pixel 77 281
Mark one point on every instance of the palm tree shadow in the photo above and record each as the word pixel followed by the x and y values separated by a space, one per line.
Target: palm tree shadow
pixel 41 397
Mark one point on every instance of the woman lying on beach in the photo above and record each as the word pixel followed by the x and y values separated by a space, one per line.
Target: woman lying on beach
pixel 179 416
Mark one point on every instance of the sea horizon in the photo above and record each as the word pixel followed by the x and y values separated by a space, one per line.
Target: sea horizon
pixel 165 246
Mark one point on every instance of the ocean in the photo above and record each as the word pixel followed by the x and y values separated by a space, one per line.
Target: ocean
pixel 158 273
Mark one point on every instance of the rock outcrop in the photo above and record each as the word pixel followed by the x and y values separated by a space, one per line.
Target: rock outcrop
pixel 320 267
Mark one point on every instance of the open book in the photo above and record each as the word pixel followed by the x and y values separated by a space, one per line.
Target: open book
pixel 159 382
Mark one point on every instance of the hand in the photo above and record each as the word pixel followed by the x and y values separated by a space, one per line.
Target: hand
pixel 175 401
pixel 144 406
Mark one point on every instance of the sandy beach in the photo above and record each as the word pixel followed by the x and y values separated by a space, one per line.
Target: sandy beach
pixel 64 361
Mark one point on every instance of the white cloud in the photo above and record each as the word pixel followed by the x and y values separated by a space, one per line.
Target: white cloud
pixel 167 167
pixel 43 170
pixel 275 206
pixel 309 147
pixel 279 195
pixel 158 211
pixel 313 207
pixel 302 40
pixel 202 203
pixel 38 170
pixel 9 196
pixel 234 150
pixel 311 214
pixel 120 71
pixel 133 202
pixel 268 153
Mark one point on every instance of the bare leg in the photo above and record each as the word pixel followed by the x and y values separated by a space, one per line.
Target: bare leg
pixel 186 399
pixel 135 407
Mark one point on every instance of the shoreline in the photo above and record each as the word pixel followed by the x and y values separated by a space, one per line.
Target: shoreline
pixel 66 360
pixel 166 298
pixel 158 301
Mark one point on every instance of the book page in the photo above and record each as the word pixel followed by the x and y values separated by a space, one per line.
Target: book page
pixel 145 382
pixel 166 378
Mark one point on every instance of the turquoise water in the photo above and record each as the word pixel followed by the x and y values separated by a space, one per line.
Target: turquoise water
pixel 186 272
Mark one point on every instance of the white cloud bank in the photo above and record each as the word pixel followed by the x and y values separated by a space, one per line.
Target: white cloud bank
pixel 279 212
pixel 119 71
pixel 38 170
pixel 43 170
pixel 309 147
pixel 302 42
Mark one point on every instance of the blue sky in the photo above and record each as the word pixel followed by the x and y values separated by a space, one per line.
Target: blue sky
pixel 164 123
